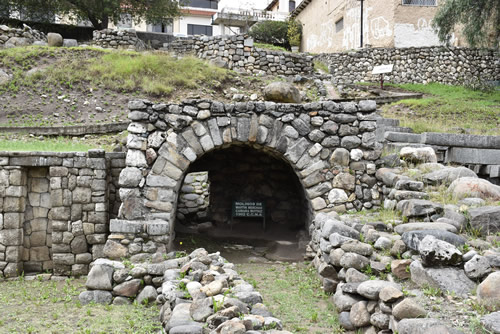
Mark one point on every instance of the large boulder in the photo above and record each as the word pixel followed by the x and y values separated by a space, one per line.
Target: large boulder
pixel 418 155
pixel 488 292
pixel 485 219
pixel 491 322
pixel 474 187
pixel 4 77
pixel 282 92
pixel 446 279
pixel 100 278
pixel 412 239
pixel 54 39
pixel 448 175
pixel 435 252
pixel 418 208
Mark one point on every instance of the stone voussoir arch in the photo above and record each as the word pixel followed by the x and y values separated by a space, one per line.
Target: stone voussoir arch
pixel 331 147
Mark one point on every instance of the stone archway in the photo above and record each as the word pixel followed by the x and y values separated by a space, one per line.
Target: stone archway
pixel 331 148
pixel 244 173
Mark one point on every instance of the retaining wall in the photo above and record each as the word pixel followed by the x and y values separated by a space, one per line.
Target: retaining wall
pixel 415 65
pixel 11 37
pixel 239 53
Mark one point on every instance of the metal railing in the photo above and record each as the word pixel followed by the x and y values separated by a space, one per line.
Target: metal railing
pixel 419 2
pixel 260 15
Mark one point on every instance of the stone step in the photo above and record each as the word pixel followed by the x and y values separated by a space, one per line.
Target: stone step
pixel 403 137
pixel 388 122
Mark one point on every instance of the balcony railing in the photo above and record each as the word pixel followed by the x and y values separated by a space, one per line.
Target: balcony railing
pixel 252 14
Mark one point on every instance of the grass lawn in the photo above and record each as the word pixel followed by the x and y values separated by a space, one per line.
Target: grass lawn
pixel 151 73
pixel 448 109
pixel 293 294
pixel 55 144
pixel 53 307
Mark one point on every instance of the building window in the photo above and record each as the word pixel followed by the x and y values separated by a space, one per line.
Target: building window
pixel 195 29
pixel 212 4
pixel 339 25
pixel 291 6
pixel 420 2
pixel 166 28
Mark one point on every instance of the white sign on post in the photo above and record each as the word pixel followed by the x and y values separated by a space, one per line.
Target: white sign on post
pixel 382 69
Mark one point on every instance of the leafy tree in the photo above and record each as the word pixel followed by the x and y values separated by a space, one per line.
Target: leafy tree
pixel 294 32
pixel 271 32
pixel 99 12
pixel 479 20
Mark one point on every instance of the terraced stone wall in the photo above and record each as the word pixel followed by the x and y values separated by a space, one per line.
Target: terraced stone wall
pixel 330 148
pixel 55 209
pixel 239 53
pixel 452 66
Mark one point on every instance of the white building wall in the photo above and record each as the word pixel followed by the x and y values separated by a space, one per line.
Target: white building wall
pixel 182 27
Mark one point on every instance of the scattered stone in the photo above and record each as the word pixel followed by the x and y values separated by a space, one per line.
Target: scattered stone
pixel 100 277
pixel 390 294
pixel 408 308
pixel 401 268
pixel 446 279
pixel 488 292
pixel 371 289
pixel 412 239
pixel 359 315
pixel 474 187
pixel 447 175
pixel 435 252
pixel 491 322
pixel 486 219
pixel 418 155
pixel 477 267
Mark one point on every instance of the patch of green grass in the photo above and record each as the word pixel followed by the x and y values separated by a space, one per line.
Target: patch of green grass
pixel 270 47
pixel 59 144
pixel 149 72
pixel 447 108
pixel 320 66
pixel 53 307
pixel 294 295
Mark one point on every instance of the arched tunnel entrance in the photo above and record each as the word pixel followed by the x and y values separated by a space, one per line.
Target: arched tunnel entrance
pixel 245 174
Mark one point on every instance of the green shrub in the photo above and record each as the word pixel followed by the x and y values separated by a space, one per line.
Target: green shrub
pixel 294 32
pixel 271 32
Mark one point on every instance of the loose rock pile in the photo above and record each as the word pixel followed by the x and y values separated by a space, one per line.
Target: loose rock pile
pixel 125 39
pixel 415 65
pixel 200 293
pixel 425 247
pixel 12 37
pixel 238 53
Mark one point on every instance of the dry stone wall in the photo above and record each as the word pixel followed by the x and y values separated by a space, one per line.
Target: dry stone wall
pixel 54 210
pixel 12 37
pixel 416 65
pixel 117 39
pixel 239 53
pixel 330 147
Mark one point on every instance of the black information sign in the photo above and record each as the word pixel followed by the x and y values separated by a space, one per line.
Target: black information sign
pixel 248 209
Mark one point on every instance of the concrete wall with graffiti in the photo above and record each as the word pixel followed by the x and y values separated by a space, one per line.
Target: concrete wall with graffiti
pixel 335 25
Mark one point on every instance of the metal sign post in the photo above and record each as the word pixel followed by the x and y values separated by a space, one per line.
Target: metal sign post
pixel 382 69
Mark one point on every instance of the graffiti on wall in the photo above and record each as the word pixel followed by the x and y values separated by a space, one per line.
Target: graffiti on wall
pixel 324 40
pixel 374 28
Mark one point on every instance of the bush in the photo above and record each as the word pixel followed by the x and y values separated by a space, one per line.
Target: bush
pixel 294 32
pixel 271 32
